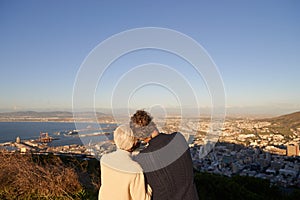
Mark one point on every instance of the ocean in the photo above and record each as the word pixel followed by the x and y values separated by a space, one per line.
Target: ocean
pixel 9 131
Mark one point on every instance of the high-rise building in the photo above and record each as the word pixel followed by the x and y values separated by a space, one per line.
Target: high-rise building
pixel 293 149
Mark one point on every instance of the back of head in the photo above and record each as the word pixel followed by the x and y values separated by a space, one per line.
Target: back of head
pixel 124 138
pixel 141 124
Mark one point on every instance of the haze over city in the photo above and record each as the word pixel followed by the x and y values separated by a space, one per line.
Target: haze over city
pixel 254 44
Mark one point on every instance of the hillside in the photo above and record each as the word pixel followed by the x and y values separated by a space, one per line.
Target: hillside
pixel 291 120
pixel 40 177
pixel 285 124
pixel 34 114
pixel 47 116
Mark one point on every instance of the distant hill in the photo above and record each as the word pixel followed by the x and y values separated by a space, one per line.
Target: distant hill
pixel 44 114
pixel 49 116
pixel 290 120
pixel 36 114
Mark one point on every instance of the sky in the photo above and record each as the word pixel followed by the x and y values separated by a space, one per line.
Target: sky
pixel 254 44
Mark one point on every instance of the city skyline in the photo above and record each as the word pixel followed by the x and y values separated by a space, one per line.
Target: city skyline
pixel 255 46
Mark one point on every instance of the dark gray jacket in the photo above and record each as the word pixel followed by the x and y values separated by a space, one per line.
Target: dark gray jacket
pixel 168 168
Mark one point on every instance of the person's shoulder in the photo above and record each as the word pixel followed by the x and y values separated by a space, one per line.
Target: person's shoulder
pixel 179 138
pixel 110 157
pixel 173 134
pixel 178 135
pixel 120 162
pixel 105 157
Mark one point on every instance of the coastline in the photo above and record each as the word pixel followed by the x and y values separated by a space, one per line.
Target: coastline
pixel 101 121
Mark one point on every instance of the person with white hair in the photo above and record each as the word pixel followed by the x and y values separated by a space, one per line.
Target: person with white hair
pixel 121 177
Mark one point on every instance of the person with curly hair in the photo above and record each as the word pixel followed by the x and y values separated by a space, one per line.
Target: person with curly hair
pixel 166 160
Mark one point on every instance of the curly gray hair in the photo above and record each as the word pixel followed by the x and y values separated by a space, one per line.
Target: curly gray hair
pixel 142 125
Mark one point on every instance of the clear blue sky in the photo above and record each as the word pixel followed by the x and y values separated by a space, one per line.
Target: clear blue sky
pixel 255 44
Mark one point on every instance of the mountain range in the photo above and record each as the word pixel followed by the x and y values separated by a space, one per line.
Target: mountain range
pixel 291 120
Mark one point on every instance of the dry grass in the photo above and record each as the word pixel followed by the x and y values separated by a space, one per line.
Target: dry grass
pixel 23 178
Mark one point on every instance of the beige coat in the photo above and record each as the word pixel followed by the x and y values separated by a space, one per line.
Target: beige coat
pixel 122 178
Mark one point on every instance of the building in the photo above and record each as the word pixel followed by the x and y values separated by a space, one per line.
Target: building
pixel 18 140
pixel 293 149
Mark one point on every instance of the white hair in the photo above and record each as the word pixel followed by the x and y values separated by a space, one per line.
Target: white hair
pixel 124 138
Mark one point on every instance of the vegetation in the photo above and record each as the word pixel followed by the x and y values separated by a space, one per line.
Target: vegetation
pixel 59 177
pixel 211 186
pixel 47 177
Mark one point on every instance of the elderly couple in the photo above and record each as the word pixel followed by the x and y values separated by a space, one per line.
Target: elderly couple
pixel 161 171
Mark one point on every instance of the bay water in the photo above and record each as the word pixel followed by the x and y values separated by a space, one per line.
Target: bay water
pixel 9 131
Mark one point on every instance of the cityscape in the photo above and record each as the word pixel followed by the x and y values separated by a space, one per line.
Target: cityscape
pixel 72 71
pixel 262 148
